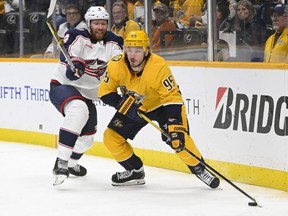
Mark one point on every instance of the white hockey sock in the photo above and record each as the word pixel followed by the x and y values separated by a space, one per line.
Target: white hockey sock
pixel 64 152
pixel 83 143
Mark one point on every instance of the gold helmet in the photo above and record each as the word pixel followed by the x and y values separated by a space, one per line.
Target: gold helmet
pixel 137 38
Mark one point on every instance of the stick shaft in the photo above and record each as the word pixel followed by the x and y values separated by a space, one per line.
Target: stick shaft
pixel 219 174
pixel 55 35
pixel 195 156
pixel 154 125
pixel 51 8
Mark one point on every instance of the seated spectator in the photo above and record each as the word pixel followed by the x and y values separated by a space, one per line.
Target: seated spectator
pixel 73 21
pixel 83 5
pixel 224 8
pixel 13 5
pixel 122 24
pixel 264 12
pixel 249 33
pixel 276 46
pixel 185 9
pixel 222 14
pixel 162 23
pixel 139 11
pixel 245 24
pixel 227 27
pixel 202 20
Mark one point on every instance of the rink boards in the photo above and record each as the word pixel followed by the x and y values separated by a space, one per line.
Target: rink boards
pixel 237 114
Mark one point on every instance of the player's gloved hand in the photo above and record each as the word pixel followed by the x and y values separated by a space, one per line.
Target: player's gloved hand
pixel 130 108
pixel 80 65
pixel 177 135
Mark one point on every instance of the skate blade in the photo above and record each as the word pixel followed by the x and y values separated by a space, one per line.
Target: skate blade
pixel 59 179
pixel 130 183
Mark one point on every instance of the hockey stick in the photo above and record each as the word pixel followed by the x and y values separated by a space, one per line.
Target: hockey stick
pixel 53 31
pixel 254 203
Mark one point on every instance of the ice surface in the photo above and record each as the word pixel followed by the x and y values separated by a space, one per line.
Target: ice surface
pixel 26 189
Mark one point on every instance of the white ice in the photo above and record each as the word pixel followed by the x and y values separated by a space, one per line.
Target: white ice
pixel 26 190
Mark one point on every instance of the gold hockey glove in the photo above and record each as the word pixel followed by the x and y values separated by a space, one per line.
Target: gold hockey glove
pixel 177 135
pixel 128 107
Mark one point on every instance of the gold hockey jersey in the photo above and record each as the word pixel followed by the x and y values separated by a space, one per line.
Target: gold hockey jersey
pixel 278 53
pixel 155 86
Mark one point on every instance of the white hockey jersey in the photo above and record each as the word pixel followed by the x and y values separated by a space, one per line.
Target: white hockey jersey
pixel 63 28
pixel 96 55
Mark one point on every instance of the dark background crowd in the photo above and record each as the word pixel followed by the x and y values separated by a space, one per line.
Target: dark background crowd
pixel 242 26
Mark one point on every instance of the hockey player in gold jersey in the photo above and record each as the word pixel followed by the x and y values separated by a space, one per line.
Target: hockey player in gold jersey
pixel 148 86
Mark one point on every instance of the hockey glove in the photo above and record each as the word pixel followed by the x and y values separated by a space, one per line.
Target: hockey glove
pixel 177 135
pixel 80 65
pixel 128 107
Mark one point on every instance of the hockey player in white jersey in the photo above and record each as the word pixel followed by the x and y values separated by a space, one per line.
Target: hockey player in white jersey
pixel 73 93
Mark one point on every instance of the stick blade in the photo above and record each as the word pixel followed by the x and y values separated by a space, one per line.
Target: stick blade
pixel 51 8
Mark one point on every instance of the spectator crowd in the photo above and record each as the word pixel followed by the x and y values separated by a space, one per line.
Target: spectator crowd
pixel 252 30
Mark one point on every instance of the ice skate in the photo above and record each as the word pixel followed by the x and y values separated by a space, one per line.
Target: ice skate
pixel 60 171
pixel 77 170
pixel 208 178
pixel 129 178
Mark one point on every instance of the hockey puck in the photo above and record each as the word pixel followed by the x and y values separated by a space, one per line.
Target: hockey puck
pixel 252 204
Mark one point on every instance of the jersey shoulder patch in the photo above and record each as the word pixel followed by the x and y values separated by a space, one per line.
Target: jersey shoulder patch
pixel 112 37
pixel 71 34
pixel 117 57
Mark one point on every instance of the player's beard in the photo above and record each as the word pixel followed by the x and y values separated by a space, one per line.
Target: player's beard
pixel 98 35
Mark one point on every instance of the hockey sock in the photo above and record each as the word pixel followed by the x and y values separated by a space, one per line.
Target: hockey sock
pixel 185 156
pixel 198 168
pixel 133 162
pixel 83 143
pixel 66 142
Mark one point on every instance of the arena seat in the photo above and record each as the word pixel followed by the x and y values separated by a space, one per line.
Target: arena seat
pixel 40 36
pixel 185 37
pixel 8 37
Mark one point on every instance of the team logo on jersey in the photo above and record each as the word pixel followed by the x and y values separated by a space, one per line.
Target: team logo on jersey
pixel 118 123
pixel 96 68
pixel 117 57
pixel 138 97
